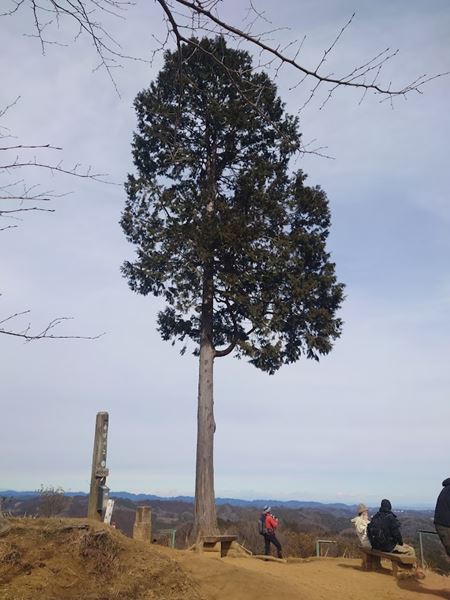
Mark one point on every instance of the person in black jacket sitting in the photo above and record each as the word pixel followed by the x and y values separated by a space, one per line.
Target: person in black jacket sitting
pixel 384 532
pixel 442 515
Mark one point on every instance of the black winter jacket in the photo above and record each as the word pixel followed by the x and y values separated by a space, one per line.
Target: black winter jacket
pixel 442 512
pixel 391 528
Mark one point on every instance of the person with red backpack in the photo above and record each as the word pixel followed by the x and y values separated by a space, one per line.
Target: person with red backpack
pixel 267 526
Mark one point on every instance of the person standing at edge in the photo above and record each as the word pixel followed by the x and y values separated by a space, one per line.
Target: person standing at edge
pixel 442 515
pixel 270 523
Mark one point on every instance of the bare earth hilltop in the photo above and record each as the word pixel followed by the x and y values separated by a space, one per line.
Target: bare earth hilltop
pixel 59 559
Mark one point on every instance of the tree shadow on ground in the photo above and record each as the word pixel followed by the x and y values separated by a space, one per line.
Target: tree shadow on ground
pixel 381 570
pixel 409 585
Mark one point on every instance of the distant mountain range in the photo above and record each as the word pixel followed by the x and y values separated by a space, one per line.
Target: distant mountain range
pixel 259 503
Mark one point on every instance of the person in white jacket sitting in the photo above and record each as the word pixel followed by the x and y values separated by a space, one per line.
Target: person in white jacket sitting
pixel 360 522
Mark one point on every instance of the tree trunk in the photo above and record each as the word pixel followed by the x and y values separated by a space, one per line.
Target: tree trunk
pixel 205 519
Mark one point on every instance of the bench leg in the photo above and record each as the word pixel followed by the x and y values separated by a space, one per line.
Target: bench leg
pixel 225 548
pixel 211 547
pixel 373 563
pixel 403 571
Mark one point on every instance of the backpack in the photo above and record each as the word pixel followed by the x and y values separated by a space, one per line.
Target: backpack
pixel 376 534
pixel 262 524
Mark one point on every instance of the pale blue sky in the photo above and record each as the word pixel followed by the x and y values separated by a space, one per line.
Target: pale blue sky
pixel 371 419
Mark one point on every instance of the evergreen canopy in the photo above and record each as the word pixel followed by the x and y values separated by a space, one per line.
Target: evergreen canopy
pixel 214 199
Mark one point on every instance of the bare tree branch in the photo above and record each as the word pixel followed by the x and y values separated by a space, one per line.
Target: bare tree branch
pixel 16 198
pixel 356 78
pixel 18 190
pixel 46 333
pixel 16 210
pixel 24 147
pixel 56 168
pixel 201 17
pixel 83 14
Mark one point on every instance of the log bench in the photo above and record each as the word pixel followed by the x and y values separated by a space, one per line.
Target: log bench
pixel 400 562
pixel 218 543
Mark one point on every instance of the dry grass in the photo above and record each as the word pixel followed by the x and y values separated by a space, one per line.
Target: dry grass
pixel 68 559
pixel 100 551
pixel 9 554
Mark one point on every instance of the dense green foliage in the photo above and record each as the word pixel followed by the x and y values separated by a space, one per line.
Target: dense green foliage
pixel 214 197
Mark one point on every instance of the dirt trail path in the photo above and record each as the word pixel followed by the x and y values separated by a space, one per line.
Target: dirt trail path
pixel 321 579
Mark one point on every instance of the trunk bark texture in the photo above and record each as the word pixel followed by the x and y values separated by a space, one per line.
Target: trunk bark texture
pixel 205 519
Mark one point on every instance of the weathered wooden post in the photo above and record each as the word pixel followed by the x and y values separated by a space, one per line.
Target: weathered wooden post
pixel 98 494
pixel 142 528
pixel 4 525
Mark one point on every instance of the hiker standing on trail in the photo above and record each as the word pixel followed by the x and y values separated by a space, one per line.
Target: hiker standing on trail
pixel 384 532
pixel 442 515
pixel 360 523
pixel 268 524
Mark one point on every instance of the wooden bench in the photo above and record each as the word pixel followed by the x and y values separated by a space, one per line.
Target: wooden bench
pixel 400 562
pixel 218 543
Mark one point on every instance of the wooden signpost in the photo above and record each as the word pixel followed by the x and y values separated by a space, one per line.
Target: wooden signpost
pixel 98 495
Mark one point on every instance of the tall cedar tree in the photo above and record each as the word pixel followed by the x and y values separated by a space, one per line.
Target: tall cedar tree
pixel 230 238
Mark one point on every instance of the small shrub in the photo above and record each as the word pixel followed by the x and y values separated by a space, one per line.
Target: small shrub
pixel 52 501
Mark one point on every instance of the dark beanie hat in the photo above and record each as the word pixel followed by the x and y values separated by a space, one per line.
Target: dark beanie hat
pixel 386 505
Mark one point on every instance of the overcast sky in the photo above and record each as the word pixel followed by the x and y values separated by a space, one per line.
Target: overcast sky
pixel 369 421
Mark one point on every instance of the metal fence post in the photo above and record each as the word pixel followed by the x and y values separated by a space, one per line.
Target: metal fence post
pixel 318 542
pixel 421 549
pixel 420 532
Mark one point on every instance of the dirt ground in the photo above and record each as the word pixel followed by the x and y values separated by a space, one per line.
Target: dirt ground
pixel 318 579
pixel 62 559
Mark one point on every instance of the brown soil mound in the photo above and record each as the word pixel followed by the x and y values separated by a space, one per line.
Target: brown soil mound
pixel 54 559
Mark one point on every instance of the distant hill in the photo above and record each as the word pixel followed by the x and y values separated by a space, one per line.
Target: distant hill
pixel 258 503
